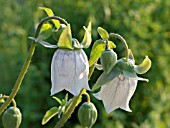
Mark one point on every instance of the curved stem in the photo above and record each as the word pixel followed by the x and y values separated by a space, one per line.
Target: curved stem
pixel 88 97
pixel 124 42
pixel 65 116
pixel 13 101
pixel 27 62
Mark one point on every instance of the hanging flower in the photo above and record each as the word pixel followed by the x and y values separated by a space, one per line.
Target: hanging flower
pixel 69 71
pixel 69 67
pixel 117 93
pixel 120 84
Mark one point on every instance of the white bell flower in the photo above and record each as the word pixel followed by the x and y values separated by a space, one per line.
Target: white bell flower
pixel 69 71
pixel 118 92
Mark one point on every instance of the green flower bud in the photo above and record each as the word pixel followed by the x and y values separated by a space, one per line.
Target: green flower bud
pixel 144 66
pixel 12 118
pixel 87 114
pixel 108 60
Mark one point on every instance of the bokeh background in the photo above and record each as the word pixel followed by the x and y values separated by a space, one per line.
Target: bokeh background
pixel 145 24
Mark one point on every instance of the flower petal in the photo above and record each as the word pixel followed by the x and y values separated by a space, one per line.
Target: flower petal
pixel 117 93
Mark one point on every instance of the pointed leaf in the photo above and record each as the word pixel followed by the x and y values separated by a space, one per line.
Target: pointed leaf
pixel 103 33
pixel 57 99
pixel 65 40
pixel 66 99
pixel 43 43
pixel 97 49
pixel 87 36
pixel 50 13
pixel 45 32
pixel 111 44
pixel 105 78
pixel 49 114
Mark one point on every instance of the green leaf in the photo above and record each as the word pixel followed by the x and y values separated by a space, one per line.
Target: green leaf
pixel 45 32
pixel 65 40
pixel 2 100
pixel 105 78
pixel 50 13
pixel 103 33
pixel 87 36
pixel 57 99
pixel 49 114
pixel 97 49
pixel 111 44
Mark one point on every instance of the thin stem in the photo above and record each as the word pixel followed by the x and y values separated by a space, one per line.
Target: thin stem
pixel 88 97
pixel 65 116
pixel 107 45
pixel 27 62
pixel 13 101
pixel 123 41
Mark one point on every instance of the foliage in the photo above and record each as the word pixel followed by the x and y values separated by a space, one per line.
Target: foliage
pixel 145 26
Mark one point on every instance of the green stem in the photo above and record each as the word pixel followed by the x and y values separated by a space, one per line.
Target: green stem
pixel 88 97
pixel 13 101
pixel 27 62
pixel 107 45
pixel 124 42
pixel 65 116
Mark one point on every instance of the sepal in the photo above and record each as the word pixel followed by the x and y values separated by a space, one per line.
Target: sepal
pixel 43 43
pixel 103 33
pixel 50 13
pixel 65 40
pixel 87 36
pixel 144 66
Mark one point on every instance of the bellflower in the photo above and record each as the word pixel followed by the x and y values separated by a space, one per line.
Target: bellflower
pixel 69 67
pixel 69 71
pixel 120 84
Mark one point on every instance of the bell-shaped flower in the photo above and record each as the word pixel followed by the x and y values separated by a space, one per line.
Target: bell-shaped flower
pixel 120 84
pixel 69 67
pixel 69 71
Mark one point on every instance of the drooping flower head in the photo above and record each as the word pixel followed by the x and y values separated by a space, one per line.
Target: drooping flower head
pixel 69 67
pixel 120 84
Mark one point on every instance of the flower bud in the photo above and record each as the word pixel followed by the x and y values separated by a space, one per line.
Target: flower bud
pixel 144 66
pixel 87 114
pixel 108 60
pixel 12 118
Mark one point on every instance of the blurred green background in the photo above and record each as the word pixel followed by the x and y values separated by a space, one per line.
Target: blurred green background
pixel 145 24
